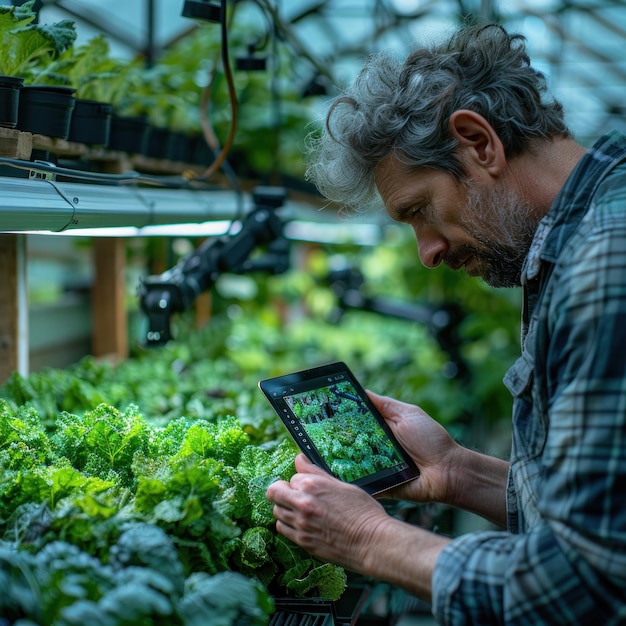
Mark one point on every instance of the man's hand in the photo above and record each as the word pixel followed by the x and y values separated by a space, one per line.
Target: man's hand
pixel 435 453
pixel 341 523
pixel 449 473
pixel 332 520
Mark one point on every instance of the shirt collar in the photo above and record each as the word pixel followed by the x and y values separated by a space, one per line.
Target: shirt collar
pixel 572 202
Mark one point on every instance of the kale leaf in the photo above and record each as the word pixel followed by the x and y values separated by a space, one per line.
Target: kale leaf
pixel 26 48
pixel 225 599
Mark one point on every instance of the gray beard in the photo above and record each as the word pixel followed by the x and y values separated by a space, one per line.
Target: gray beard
pixel 504 226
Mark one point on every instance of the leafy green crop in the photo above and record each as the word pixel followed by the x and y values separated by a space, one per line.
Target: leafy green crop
pixel 26 48
pixel 143 583
pixel 103 442
pixel 177 381
pixel 93 72
pixel 224 599
pixel 106 502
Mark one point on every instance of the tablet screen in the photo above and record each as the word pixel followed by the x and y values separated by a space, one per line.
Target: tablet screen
pixel 334 423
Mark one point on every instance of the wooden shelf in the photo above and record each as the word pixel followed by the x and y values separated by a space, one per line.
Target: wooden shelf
pixel 15 144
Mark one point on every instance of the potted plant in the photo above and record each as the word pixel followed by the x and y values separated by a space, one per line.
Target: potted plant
pixel 106 87
pixel 267 137
pixel 97 79
pixel 130 126
pixel 26 49
pixel 173 115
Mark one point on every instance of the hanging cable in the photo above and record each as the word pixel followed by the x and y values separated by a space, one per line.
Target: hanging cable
pixel 207 128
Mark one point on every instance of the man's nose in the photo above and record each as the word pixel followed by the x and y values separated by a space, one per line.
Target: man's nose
pixel 431 246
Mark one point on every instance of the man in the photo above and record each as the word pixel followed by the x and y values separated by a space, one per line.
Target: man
pixel 464 143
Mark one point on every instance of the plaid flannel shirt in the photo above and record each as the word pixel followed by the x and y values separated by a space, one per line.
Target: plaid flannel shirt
pixel 562 558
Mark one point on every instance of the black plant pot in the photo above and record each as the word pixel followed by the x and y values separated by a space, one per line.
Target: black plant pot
pixel 46 110
pixel 129 134
pixel 158 143
pixel 201 152
pixel 10 87
pixel 181 147
pixel 91 122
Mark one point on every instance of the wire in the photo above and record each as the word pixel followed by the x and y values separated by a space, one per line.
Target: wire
pixel 101 178
pixel 209 134
pixel 290 38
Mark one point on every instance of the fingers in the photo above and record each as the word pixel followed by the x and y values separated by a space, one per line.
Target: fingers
pixel 275 489
pixel 388 406
pixel 280 493
pixel 377 400
pixel 305 466
pixel 282 490
pixel 294 509
pixel 296 493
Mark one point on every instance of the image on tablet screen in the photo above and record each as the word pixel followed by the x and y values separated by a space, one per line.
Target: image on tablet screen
pixel 346 434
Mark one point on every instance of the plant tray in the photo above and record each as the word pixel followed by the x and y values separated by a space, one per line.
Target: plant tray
pixel 320 611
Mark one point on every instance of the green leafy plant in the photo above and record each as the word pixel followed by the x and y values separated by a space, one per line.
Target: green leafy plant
pixel 89 478
pixel 93 72
pixel 103 442
pixel 26 48
pixel 143 582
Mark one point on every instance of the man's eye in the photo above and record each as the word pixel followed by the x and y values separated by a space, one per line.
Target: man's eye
pixel 410 213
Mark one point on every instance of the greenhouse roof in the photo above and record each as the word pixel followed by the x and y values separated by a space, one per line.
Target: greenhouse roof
pixel 578 44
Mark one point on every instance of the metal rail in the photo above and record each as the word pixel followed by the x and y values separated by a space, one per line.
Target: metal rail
pixel 46 205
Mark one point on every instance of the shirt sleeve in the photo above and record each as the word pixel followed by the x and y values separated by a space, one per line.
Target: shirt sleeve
pixel 519 580
pixel 569 567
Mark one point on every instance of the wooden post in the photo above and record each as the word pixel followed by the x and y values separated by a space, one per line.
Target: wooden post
pixel 110 324
pixel 202 308
pixel 13 306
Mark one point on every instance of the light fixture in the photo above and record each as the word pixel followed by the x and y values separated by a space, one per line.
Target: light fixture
pixel 250 62
pixel 202 10
pixel 318 85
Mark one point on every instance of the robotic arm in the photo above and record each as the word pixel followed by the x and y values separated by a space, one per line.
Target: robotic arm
pixel 176 289
pixel 442 322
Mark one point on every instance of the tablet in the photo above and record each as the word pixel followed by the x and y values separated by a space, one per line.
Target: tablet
pixel 333 422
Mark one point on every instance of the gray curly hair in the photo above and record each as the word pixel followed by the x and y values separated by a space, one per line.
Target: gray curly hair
pixel 404 108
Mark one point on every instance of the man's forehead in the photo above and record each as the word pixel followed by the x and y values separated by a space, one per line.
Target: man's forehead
pixel 389 167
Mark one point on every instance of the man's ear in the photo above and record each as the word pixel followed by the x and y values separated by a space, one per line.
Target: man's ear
pixel 478 142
